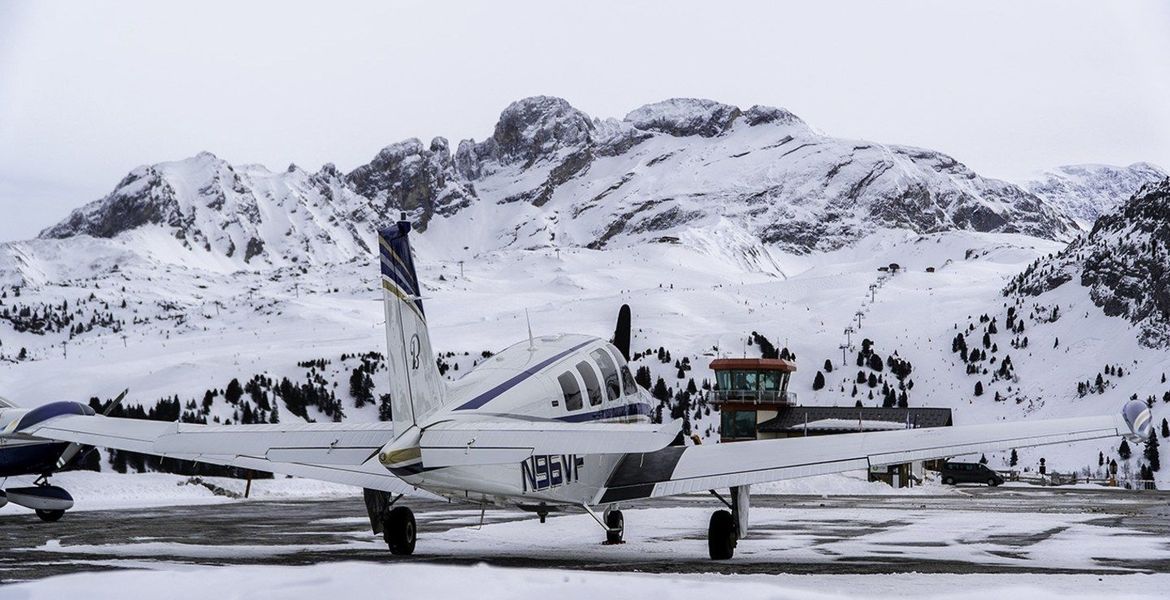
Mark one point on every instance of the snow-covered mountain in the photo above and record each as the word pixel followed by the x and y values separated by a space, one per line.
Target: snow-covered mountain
pixel 1124 262
pixel 1085 192
pixel 711 221
pixel 551 176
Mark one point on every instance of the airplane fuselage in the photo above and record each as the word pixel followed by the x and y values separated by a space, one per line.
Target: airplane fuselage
pixel 565 378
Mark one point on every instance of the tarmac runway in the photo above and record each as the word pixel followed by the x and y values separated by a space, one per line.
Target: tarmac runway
pixel 978 530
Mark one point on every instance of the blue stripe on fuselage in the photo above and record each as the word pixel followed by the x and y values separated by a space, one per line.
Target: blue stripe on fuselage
pixel 512 382
pixel 613 412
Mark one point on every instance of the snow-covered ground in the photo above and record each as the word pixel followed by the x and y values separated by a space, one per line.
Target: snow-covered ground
pixel 360 579
pixel 198 329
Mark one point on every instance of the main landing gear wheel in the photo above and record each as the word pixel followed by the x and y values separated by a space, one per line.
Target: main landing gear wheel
pixel 617 527
pixel 399 531
pixel 50 516
pixel 721 535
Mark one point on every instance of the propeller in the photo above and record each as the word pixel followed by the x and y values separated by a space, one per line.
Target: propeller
pixel 73 448
pixel 621 334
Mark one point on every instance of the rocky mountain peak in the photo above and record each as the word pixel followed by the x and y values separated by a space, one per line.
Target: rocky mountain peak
pixel 1124 261
pixel 683 117
pixel 1087 191
pixel 539 126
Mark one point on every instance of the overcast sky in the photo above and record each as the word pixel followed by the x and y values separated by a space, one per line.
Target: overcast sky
pixel 89 90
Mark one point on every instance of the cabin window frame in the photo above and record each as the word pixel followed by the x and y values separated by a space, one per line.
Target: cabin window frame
pixel 588 371
pixel 566 396
pixel 603 359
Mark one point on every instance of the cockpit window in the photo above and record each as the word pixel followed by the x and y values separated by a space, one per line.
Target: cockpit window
pixel 609 373
pixel 592 385
pixel 628 384
pixel 571 390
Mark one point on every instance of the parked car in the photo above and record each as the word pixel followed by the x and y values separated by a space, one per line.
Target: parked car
pixel 957 472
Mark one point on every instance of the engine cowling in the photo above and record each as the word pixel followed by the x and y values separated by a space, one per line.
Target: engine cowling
pixel 1139 420
pixel 41 497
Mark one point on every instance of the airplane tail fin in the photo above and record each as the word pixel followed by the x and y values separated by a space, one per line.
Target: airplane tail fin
pixel 416 387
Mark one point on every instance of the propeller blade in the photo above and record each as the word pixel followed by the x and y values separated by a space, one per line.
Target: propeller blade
pixel 73 448
pixel 621 334
pixel 116 401
pixel 70 451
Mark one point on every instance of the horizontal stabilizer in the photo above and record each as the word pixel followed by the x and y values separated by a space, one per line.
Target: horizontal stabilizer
pixel 336 452
pixel 455 443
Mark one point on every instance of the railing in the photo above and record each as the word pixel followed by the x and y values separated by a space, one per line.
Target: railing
pixel 751 397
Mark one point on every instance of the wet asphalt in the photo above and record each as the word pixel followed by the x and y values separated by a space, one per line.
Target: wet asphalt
pixel 322 531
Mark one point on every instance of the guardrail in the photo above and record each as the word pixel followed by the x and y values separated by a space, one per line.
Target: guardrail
pixel 748 397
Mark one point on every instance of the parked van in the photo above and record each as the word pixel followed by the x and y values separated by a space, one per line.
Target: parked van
pixel 956 472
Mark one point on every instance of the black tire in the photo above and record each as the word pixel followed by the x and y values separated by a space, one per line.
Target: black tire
pixel 617 527
pixel 50 516
pixel 948 481
pixel 721 535
pixel 399 531
pixel 992 483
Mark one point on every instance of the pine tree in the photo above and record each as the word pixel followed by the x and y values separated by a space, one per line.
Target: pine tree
pixel 1100 459
pixel 1165 429
pixel 983 459
pixel 1151 452
pixel 234 392
pixel 642 377
pixel 978 388
pixel 828 366
pixel 1123 451
pixel 818 381
pixel 1014 459
pixel 385 410
pixel 660 392
pixel 872 380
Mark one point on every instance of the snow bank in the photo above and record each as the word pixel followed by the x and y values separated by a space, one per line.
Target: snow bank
pixel 358 580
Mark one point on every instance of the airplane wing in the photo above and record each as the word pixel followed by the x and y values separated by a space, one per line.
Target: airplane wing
pixel 458 443
pixel 678 470
pixel 335 452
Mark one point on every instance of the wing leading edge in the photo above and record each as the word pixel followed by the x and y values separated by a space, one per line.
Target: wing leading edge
pixel 696 468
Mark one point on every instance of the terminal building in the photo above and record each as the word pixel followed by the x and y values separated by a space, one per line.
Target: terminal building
pixel 755 404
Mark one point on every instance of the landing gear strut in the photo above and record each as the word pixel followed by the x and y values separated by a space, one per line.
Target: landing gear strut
pixel 727 527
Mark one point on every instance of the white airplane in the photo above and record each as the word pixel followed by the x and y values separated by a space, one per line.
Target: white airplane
pixel 551 423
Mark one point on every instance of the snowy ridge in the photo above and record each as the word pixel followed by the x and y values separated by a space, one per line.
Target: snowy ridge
pixel 550 176
pixel 1124 261
pixel 1085 192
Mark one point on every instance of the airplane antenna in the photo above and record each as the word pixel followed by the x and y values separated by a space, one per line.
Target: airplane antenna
pixel 531 342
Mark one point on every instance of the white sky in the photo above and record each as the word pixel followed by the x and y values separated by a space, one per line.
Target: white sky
pixel 89 90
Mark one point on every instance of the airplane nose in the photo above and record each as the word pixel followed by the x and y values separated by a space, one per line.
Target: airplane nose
pixel 1137 417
